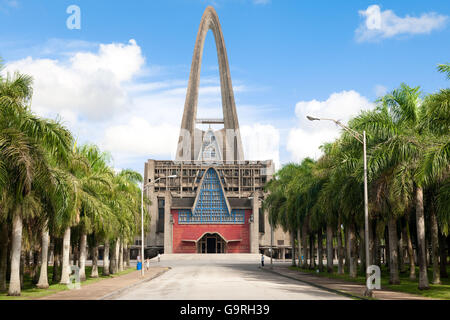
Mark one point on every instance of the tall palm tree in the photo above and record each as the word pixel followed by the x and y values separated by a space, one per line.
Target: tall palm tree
pixel 27 144
pixel 94 212
pixel 394 129
pixel 435 166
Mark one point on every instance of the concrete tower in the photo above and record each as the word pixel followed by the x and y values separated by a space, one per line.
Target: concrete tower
pixel 191 138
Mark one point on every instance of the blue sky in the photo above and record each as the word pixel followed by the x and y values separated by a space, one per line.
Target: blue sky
pixel 287 58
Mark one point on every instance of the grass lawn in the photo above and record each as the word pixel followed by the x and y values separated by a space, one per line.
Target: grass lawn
pixel 441 291
pixel 29 290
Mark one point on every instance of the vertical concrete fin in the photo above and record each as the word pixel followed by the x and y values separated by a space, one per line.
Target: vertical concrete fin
pixel 209 20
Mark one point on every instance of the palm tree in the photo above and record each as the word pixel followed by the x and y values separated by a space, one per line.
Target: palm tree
pixel 394 129
pixel 49 188
pixel 435 167
pixel 94 213
pixel 27 144
pixel 328 203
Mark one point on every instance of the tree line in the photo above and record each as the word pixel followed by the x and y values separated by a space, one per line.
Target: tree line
pixel 57 198
pixel 321 202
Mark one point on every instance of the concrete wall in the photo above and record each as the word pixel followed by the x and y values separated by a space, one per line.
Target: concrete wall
pixel 254 226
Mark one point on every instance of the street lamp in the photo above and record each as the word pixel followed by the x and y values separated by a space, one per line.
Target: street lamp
pixel 142 219
pixel 361 139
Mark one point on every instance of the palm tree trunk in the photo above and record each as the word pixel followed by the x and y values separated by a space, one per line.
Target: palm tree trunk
pixel 51 250
pixel 340 249
pixel 16 248
pixel 320 249
pixel 22 266
pixel 312 260
pixel 393 251
pixel 443 256
pixel 362 250
pixel 56 261
pixel 83 242
pixel 94 272
pixel 125 252
pixel 401 253
pixel 329 248
pixel 420 222
pixel 106 259
pixel 291 234
pixel 305 245
pixel 121 256
pixel 117 250
pixel 351 251
pixel 66 270
pixel 371 243
pixel 43 277
pixel 410 250
pixel 299 245
pixel 377 247
pixel 112 264
pixel 75 255
pixel 3 255
pixel 435 246
pixel 346 249
pixel 35 269
pixel 386 247
pixel 128 255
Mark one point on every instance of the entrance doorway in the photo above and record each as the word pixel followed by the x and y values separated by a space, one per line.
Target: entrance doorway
pixel 211 243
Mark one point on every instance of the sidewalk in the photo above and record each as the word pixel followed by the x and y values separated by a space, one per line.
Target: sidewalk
pixel 352 289
pixel 107 288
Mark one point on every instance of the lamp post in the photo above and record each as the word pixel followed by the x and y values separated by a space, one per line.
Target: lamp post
pixel 144 186
pixel 362 139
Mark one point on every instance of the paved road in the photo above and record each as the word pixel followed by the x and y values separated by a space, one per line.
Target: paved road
pixel 221 277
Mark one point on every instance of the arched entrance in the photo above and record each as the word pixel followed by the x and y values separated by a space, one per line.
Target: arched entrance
pixel 211 243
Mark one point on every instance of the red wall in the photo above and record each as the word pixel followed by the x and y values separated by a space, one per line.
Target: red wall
pixel 195 231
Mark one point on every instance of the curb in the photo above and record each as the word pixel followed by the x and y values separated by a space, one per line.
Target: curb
pixel 342 293
pixel 122 290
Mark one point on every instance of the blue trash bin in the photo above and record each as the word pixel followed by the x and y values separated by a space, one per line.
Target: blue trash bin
pixel 139 266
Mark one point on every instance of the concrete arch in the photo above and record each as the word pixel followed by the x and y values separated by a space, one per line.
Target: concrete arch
pixel 210 21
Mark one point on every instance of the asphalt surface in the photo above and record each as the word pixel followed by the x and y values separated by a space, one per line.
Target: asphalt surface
pixel 222 277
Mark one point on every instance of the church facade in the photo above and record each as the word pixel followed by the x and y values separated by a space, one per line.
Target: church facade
pixel 208 200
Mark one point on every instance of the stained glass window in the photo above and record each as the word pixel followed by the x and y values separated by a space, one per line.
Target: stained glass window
pixel 211 207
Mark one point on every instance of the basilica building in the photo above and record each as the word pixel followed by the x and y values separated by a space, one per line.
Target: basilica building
pixel 208 199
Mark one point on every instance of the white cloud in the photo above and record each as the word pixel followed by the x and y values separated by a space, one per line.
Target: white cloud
pixel 104 96
pixel 379 24
pixel 101 100
pixel 261 142
pixel 305 140
pixel 122 61
pixel 137 137
pixel 90 84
